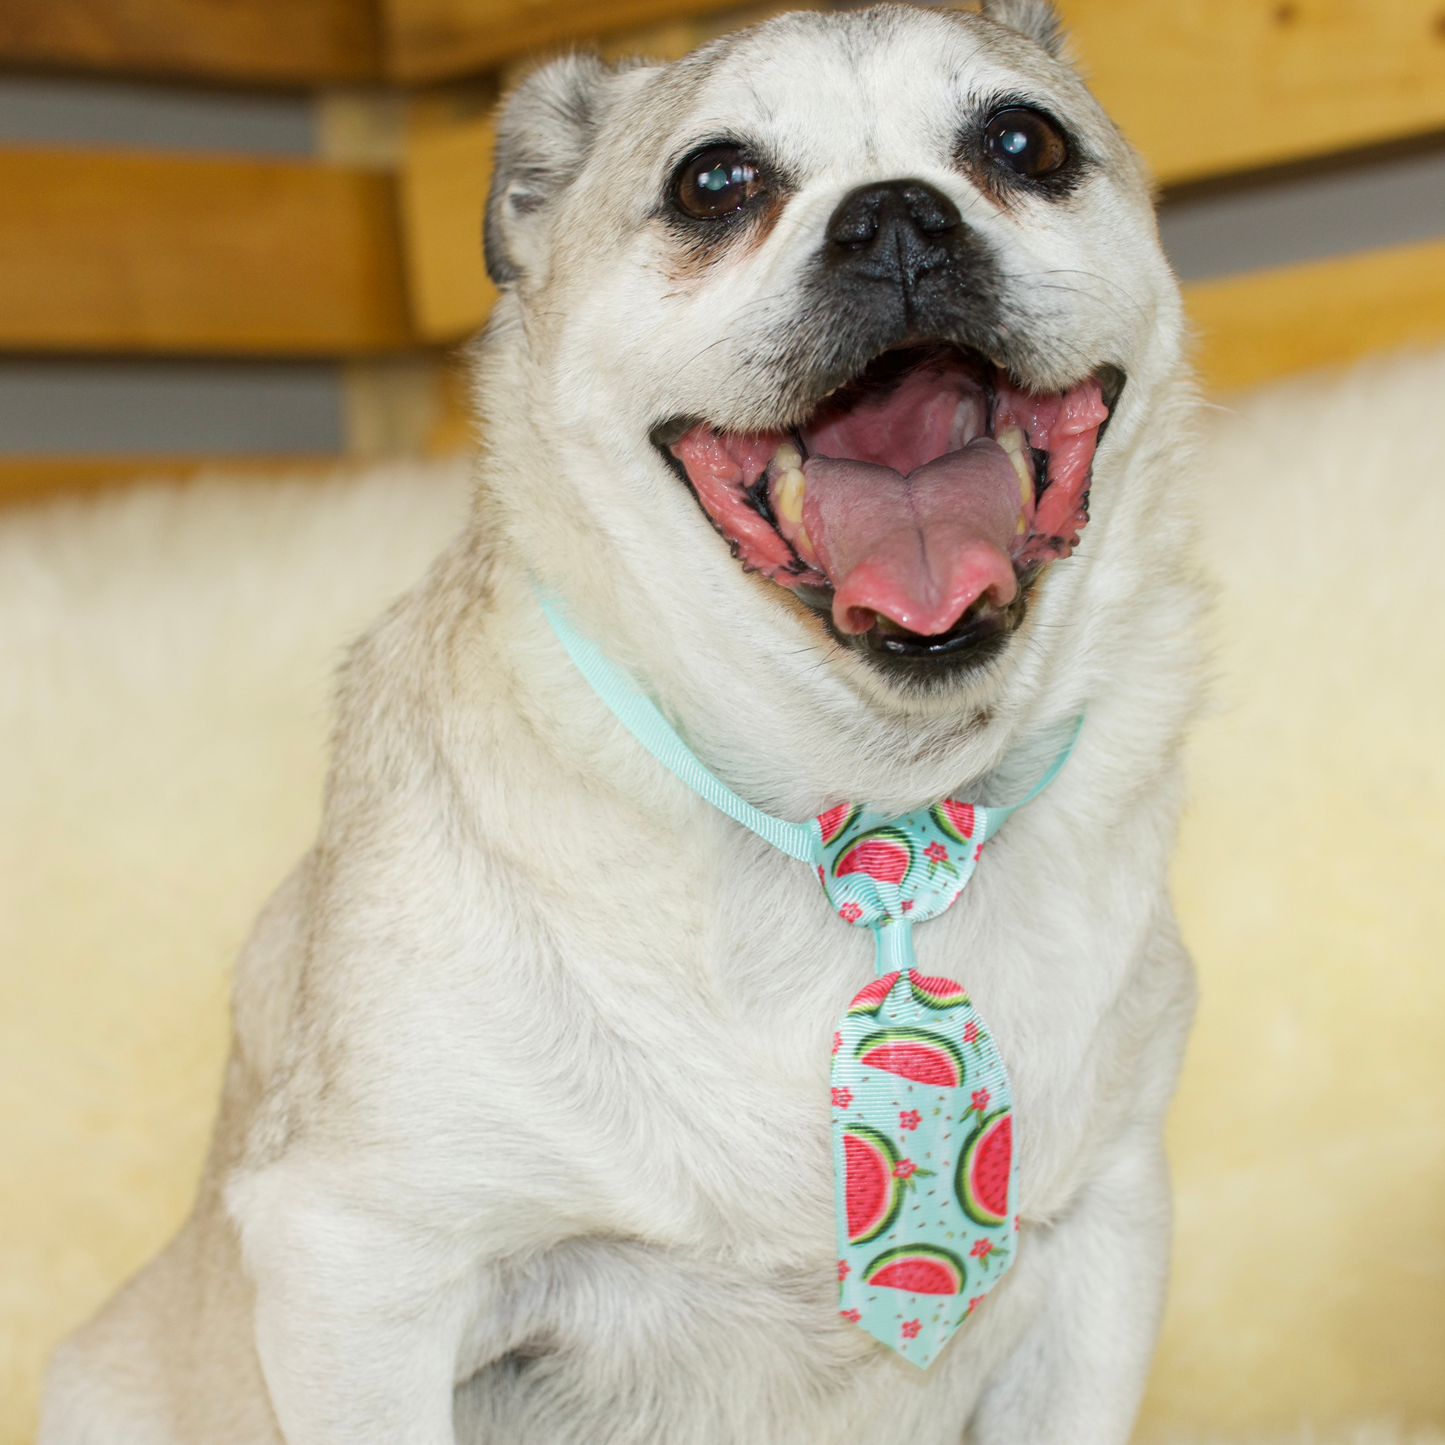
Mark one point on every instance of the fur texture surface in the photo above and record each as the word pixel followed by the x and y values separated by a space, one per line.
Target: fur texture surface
pixel 166 655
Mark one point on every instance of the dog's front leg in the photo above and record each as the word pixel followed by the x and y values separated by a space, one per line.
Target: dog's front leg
pixel 1095 1290
pixel 359 1311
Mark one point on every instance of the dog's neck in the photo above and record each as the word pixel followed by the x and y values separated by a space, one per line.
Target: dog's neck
pixel 791 739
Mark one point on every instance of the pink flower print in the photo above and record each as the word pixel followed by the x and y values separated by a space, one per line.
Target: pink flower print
pixel 970 1032
pixel 908 905
pixel 909 1119
pixel 911 1329
pixel 905 1169
pixel 850 912
pixel 980 1100
pixel 937 856
pixel 843 1268
pixel 852 1316
pixel 842 1098
pixel 982 1248
pixel 837 1042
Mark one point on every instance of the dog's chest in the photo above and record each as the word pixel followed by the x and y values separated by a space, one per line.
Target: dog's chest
pixel 718 1050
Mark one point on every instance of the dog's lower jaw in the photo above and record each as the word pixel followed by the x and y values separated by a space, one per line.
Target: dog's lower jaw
pixel 919 663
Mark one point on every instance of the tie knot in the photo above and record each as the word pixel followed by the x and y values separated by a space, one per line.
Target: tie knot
pixel 878 870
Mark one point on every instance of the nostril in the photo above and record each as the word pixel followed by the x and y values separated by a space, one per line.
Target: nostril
pixel 855 223
pixel 932 213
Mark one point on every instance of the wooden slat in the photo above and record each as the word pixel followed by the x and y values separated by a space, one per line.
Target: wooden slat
pixel 1266 324
pixel 28 479
pixel 446 169
pixel 268 41
pixel 110 252
pixel 434 39
pixel 1207 86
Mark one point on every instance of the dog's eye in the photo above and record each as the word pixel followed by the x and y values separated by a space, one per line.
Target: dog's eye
pixel 716 182
pixel 1025 142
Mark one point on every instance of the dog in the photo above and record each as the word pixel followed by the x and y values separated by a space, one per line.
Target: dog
pixel 837 390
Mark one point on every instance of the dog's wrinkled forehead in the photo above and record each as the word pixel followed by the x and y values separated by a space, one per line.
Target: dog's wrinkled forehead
pixel 887 89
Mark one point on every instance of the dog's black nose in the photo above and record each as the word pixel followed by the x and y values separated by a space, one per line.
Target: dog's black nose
pixel 893 231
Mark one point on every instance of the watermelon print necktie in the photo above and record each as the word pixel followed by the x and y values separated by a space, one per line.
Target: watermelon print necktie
pixel 923 1163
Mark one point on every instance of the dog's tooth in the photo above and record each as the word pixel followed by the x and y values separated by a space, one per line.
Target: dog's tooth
pixel 1011 439
pixel 787 457
pixel 803 545
pixel 789 499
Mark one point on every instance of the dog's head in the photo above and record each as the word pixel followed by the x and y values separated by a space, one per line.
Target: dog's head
pixel 821 327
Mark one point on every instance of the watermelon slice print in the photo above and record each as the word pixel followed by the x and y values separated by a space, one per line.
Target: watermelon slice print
pixel 919 1268
pixel 884 854
pixel 872 1197
pixel 935 992
pixel 870 999
pixel 982 1180
pixel 955 820
pixel 917 1054
pixel 837 821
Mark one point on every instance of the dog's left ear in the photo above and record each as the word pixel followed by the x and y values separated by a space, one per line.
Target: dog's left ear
pixel 544 133
pixel 1035 18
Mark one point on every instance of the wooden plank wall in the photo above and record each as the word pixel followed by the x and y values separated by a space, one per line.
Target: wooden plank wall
pixel 197 255
pixel 166 254
pixel 291 42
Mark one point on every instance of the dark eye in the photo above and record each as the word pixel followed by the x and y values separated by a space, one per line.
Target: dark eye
pixel 716 182
pixel 1025 142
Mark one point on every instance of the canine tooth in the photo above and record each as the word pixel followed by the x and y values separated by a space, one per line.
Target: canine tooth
pixel 804 545
pixel 787 457
pixel 1011 439
pixel 790 495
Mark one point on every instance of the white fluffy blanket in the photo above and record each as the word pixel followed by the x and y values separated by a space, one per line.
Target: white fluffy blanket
pixel 164 662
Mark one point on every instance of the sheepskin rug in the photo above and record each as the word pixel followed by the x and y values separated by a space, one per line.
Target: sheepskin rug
pixel 165 655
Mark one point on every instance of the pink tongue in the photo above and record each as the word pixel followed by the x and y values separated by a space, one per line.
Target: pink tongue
pixel 919 550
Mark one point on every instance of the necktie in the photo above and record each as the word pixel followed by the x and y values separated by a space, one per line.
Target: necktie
pixel 923 1162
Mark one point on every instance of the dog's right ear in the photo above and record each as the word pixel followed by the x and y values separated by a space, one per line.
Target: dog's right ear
pixel 546 128
pixel 1036 19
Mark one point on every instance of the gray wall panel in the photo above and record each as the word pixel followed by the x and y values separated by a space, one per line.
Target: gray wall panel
pixel 141 406
pixel 1387 204
pixel 118 113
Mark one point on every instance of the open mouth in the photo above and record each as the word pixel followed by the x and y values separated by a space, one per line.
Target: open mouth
pixel 916 505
